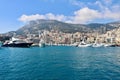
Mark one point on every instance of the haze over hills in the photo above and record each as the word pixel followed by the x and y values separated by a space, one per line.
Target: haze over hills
pixel 33 27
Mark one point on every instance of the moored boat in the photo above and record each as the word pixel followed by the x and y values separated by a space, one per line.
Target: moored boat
pixel 41 43
pixel 15 42
pixel 83 44
pixel 97 45
pixel 74 44
pixel 109 45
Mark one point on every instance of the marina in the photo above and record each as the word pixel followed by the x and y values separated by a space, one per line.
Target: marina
pixel 60 40
pixel 56 38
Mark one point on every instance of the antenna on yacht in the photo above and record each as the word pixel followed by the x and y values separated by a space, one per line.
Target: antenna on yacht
pixel 14 34
pixel 39 33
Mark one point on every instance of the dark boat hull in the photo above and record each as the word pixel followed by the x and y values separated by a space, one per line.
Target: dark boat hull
pixel 17 45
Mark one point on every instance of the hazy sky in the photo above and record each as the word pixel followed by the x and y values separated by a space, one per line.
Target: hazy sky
pixel 15 13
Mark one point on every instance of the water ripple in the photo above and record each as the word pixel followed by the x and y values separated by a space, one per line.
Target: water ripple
pixel 59 63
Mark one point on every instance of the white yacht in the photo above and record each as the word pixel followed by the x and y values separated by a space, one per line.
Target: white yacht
pixel 97 45
pixel 41 43
pixel 110 44
pixel 74 44
pixel 83 44
pixel 15 42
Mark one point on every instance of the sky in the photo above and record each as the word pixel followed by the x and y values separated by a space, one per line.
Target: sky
pixel 16 13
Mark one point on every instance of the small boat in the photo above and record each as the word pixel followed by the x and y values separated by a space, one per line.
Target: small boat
pixel 97 45
pixel 41 43
pixel 109 45
pixel 83 44
pixel 15 42
pixel 34 45
pixel 118 45
pixel 74 44
pixel 0 43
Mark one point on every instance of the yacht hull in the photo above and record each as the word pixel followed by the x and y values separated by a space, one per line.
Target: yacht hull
pixel 41 45
pixel 86 45
pixel 17 45
pixel 98 45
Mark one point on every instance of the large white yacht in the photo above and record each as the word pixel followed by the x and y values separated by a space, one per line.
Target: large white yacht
pixel 15 42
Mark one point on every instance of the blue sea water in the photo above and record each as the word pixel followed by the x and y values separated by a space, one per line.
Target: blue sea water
pixel 60 63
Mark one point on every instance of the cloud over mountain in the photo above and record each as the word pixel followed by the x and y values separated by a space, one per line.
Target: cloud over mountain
pixel 49 16
pixel 106 10
pixel 85 14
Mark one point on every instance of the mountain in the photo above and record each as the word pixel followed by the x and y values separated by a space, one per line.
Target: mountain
pixel 114 24
pixel 33 27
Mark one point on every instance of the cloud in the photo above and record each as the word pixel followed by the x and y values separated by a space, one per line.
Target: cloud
pixel 116 8
pixel 78 3
pixel 81 16
pixel 26 18
pixel 100 5
pixel 100 9
pixel 49 16
pixel 109 10
pixel 107 2
pixel 85 15
pixel 108 14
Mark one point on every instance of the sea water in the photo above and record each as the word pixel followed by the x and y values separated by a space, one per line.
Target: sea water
pixel 60 63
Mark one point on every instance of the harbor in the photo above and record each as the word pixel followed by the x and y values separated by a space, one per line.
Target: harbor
pixel 56 38
pixel 60 40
